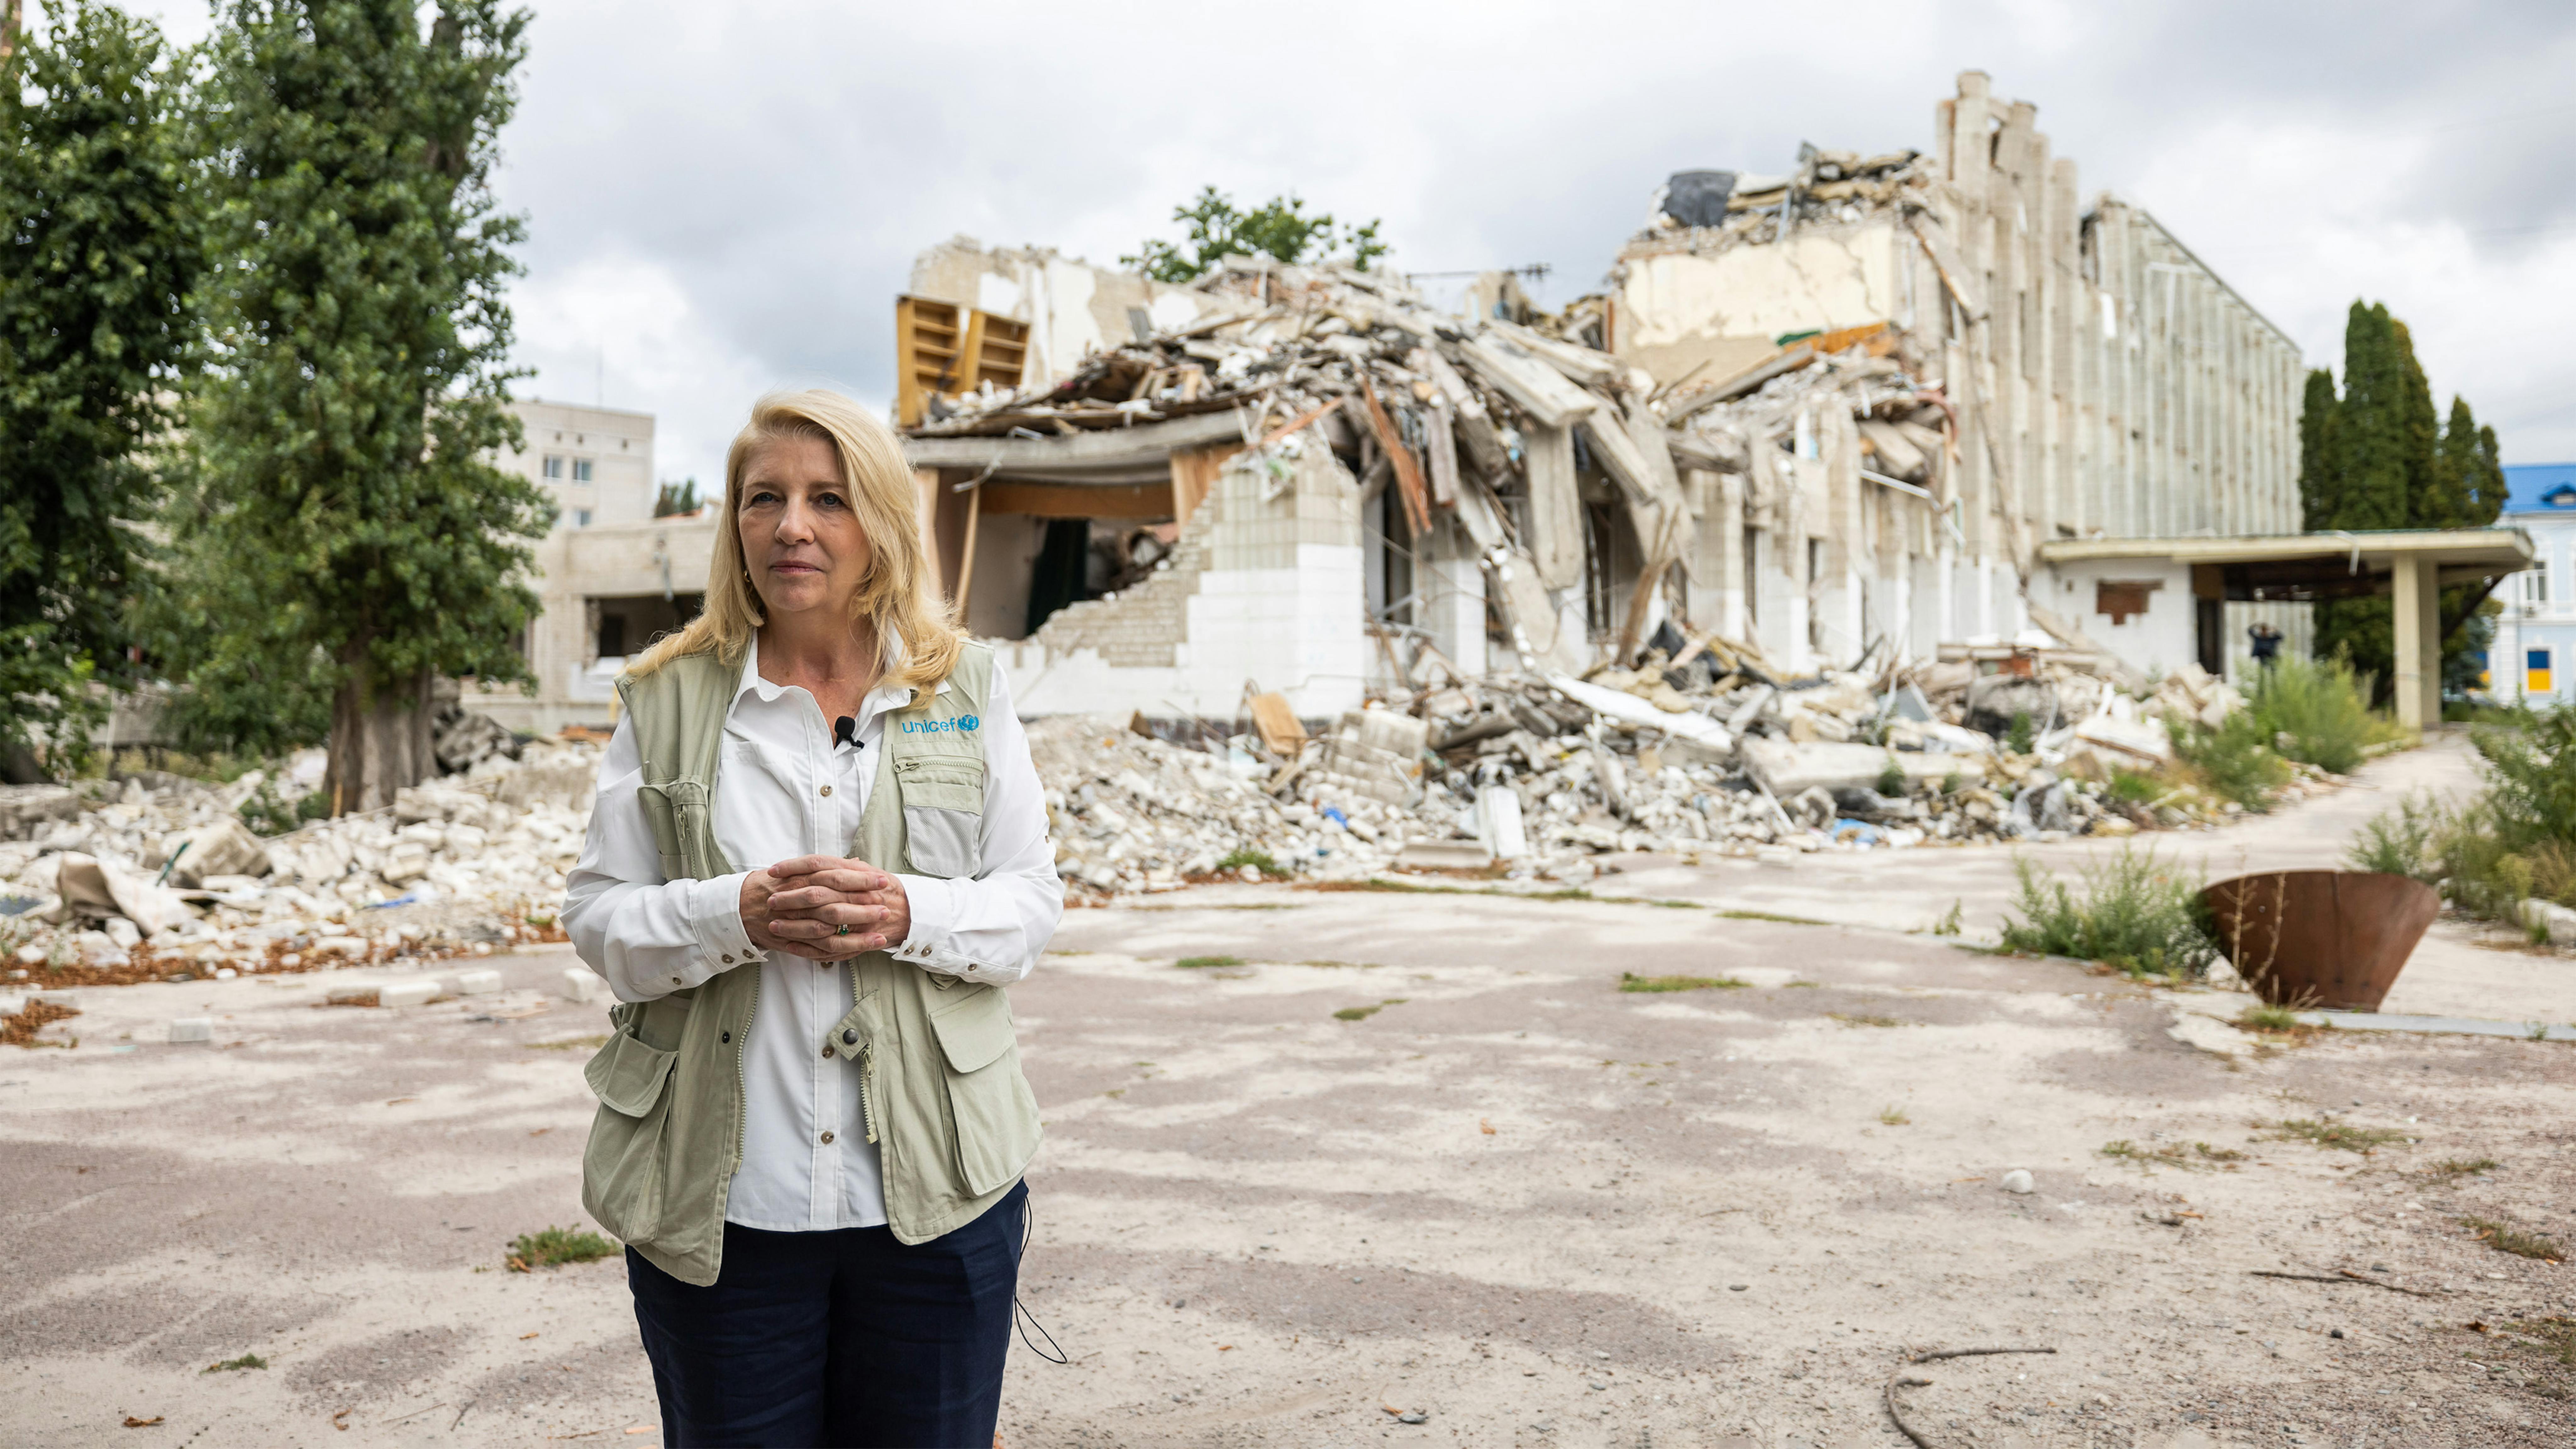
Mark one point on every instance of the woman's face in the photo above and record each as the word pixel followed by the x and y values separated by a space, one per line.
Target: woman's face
pixel 800 537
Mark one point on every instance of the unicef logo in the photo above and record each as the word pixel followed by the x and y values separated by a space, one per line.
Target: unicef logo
pixel 959 725
pixel 967 722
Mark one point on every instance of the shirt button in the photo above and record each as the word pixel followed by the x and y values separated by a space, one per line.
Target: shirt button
pixel 728 960
pixel 827 1139
pixel 675 980
pixel 827 1051
pixel 827 789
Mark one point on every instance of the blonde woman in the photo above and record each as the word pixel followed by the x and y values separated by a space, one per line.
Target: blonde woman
pixel 819 854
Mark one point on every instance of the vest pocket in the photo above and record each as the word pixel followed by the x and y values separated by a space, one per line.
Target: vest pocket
pixel 622 1167
pixel 996 1114
pixel 943 814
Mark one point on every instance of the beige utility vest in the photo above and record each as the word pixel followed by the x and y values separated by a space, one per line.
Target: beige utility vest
pixel 938 1060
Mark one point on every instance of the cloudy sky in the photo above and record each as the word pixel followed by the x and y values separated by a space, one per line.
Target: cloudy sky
pixel 725 198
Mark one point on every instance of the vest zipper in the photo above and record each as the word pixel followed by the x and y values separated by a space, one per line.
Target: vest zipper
pixel 741 1083
pixel 867 1099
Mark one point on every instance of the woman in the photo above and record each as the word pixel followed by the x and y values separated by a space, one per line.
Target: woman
pixel 818 854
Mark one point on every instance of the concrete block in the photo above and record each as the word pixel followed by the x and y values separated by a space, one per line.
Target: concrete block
pixel 11 1003
pixel 192 1028
pixel 408 993
pixel 477 983
pixel 2549 916
pixel 583 984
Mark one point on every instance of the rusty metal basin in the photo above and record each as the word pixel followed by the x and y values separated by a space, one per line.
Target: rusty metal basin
pixel 2334 939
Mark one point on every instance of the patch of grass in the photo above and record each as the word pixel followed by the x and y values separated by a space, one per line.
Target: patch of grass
pixel 565 1044
pixel 1399 887
pixel 2554 1337
pixel 1892 1115
pixel 556 1246
pixel 1676 905
pixel 2269 1018
pixel 1348 965
pixel 2137 787
pixel 2450 1168
pixel 1802 986
pixel 1363 1013
pixel 1259 860
pixel 2171 1154
pixel 1852 1019
pixel 2017 735
pixel 1569 893
pixel 1948 925
pixel 1198 963
pixel 2402 841
pixel 1891 780
pixel 2506 1238
pixel 2135 913
pixel 2364 1140
pixel 1630 981
pixel 231 1365
pixel 1771 916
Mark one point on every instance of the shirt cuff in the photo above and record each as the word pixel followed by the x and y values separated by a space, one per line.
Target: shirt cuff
pixel 715 918
pixel 933 903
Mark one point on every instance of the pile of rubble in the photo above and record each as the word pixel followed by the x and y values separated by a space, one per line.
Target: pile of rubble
pixel 1704 750
pixel 157 874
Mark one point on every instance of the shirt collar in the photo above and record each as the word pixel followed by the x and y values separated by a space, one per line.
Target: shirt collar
pixel 886 696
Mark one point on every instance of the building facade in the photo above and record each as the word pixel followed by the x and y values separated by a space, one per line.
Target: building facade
pixel 2534 650
pixel 611 577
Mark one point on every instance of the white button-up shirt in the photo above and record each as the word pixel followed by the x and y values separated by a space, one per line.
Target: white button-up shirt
pixel 786 787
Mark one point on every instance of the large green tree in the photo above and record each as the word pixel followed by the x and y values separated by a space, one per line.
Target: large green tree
pixel 348 538
pixel 2377 456
pixel 98 251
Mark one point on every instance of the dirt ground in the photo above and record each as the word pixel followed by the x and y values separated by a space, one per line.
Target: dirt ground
pixel 1373 1157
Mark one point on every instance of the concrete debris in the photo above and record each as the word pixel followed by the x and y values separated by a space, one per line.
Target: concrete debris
pixel 1533 774
pixel 166 876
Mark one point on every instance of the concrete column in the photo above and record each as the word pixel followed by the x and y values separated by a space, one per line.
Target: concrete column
pixel 2418 610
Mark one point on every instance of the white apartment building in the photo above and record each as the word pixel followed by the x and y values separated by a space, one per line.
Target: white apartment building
pixel 611 576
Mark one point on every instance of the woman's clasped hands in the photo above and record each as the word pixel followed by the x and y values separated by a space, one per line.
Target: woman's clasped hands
pixel 824 908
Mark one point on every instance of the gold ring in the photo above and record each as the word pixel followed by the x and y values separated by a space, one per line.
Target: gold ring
pixel 844 930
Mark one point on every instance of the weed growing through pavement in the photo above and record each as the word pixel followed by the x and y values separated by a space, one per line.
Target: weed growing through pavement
pixel 2268 1018
pixel 246 1361
pixel 2135 913
pixel 2450 1168
pixel 1948 925
pixel 2506 1238
pixel 1892 1115
pixel 2171 1154
pixel 1363 1013
pixel 2364 1140
pixel 1198 963
pixel 555 1246
pixel 1630 981
pixel 1853 1019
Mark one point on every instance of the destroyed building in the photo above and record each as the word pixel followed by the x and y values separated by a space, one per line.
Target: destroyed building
pixel 1847 409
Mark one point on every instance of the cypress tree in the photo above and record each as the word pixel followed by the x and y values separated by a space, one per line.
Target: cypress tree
pixel 2321 465
pixel 2379 458
pixel 97 254
pixel 349 535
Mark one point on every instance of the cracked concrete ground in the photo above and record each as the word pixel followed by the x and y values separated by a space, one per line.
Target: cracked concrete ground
pixel 1382 1155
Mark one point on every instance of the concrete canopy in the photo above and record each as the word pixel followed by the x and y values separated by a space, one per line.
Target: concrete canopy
pixel 2413 564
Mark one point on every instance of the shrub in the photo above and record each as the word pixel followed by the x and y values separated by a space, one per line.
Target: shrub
pixel 2135 913
pixel 2235 760
pixel 2317 711
pixel 2017 736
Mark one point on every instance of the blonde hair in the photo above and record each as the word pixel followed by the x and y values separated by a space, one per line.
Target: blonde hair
pixel 895 593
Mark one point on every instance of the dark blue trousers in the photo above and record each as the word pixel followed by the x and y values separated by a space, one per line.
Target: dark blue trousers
pixel 846 1339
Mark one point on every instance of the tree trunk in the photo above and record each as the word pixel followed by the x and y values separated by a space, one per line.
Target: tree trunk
pixel 380 742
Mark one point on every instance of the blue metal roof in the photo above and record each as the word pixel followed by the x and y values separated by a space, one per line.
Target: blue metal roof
pixel 2540 488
